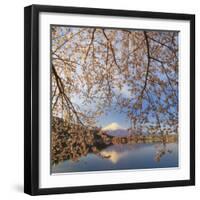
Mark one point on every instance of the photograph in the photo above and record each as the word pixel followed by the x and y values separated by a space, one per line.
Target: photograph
pixel 109 99
pixel 114 99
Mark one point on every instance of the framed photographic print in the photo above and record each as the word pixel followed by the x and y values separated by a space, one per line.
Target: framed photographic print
pixel 109 100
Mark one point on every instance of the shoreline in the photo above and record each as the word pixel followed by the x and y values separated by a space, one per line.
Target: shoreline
pixel 145 139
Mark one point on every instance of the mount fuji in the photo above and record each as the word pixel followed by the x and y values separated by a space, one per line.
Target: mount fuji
pixel 114 129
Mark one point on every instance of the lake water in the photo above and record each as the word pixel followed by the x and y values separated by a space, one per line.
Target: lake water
pixel 124 156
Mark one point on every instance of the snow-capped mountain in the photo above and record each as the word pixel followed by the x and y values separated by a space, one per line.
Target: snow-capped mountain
pixel 115 129
pixel 112 127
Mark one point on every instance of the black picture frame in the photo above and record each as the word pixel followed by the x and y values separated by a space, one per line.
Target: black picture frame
pixel 31 98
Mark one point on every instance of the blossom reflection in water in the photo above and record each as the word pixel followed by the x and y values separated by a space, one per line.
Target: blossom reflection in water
pixel 126 156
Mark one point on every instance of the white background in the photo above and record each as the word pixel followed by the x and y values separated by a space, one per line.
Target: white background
pixel 11 101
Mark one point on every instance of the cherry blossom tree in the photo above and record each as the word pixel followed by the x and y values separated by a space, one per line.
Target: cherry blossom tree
pixel 134 70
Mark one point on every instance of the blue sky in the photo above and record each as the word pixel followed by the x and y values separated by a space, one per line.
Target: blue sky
pixel 113 116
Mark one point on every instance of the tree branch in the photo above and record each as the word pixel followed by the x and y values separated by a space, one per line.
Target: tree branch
pixel 170 48
pixel 61 90
pixel 168 78
pixel 91 41
pixel 67 40
pixel 148 63
pixel 112 49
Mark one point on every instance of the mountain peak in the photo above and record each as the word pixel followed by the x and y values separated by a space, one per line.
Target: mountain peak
pixel 112 127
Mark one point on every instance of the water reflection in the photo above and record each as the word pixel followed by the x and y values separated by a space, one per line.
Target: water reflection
pixel 79 149
pixel 162 150
pixel 126 156
pixel 113 156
